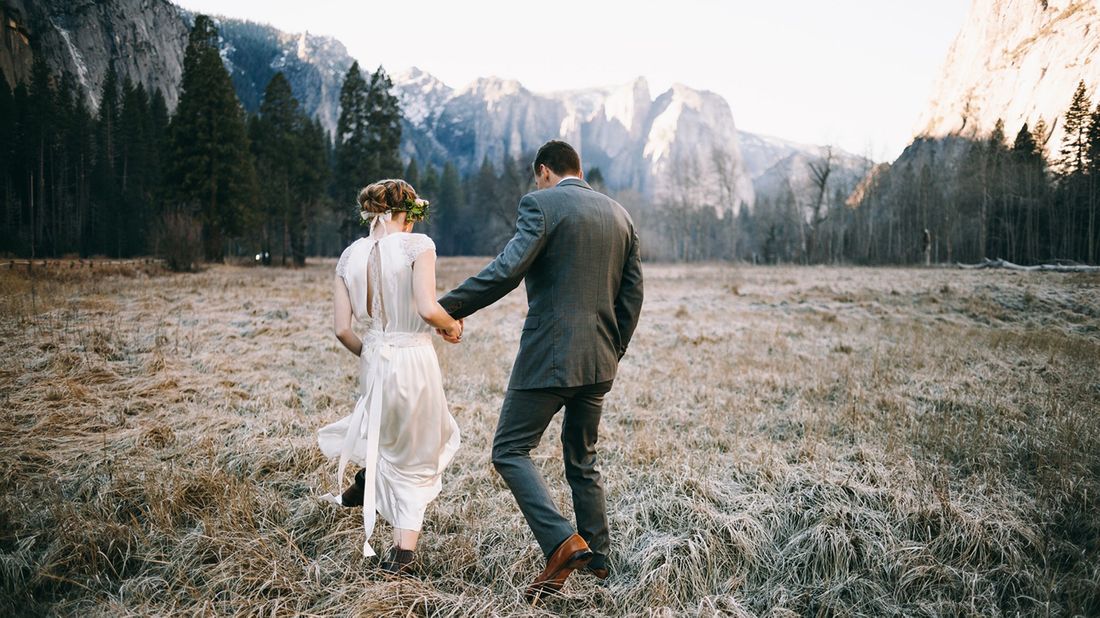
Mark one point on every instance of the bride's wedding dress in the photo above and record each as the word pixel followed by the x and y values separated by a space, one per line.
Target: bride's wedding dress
pixel 400 430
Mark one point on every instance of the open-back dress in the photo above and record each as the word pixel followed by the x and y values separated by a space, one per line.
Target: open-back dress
pixel 400 429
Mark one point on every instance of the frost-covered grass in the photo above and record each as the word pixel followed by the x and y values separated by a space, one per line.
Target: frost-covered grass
pixel 780 442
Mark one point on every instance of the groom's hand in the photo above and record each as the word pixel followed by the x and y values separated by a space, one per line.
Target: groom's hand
pixel 454 334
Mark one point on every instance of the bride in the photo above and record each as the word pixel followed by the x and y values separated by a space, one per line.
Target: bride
pixel 400 430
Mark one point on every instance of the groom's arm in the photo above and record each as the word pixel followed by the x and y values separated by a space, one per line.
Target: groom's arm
pixel 628 302
pixel 505 272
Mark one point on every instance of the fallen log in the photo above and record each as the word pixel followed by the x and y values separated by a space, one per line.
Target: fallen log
pixel 75 263
pixel 1058 266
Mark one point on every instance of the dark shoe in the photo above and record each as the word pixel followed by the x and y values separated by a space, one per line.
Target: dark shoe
pixel 572 554
pixel 353 496
pixel 399 562
pixel 599 572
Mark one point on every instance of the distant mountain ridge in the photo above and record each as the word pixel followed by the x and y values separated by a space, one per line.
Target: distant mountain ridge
pixel 637 142
pixel 681 145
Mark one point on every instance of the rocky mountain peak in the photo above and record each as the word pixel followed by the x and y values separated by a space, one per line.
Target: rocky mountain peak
pixel 493 89
pixel 629 105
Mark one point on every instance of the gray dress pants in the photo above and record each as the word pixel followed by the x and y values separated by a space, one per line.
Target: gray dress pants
pixel 523 419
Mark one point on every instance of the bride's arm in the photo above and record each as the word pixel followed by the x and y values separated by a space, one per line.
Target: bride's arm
pixel 341 317
pixel 424 294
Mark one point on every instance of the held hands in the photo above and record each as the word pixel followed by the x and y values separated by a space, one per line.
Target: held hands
pixel 453 333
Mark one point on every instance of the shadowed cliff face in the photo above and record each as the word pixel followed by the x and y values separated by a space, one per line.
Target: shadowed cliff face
pixel 143 39
pixel 15 42
pixel 1015 60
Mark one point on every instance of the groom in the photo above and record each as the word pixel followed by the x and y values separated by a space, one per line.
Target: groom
pixel 578 252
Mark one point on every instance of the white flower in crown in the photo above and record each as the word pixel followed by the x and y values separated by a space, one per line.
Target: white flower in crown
pixel 415 209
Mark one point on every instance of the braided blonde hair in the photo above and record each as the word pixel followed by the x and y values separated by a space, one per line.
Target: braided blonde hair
pixel 386 194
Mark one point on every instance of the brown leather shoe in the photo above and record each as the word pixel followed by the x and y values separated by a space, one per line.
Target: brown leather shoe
pixel 572 554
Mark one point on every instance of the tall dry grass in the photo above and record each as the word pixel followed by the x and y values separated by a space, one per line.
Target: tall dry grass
pixel 780 442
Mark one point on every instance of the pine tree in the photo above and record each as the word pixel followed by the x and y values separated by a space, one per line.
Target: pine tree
pixel 1046 211
pixel 1024 147
pixel 995 195
pixel 291 155
pixel 428 188
pixel 447 212
pixel 1072 166
pixel 383 126
pixel 81 139
pixel 429 183
pixel 412 174
pixel 134 154
pixel 7 154
pixel 1092 243
pixel 212 171
pixel 997 137
pixel 103 220
pixel 351 137
pixel 158 149
pixel 1029 189
pixel 62 231
pixel 352 160
pixel 485 230
pixel 20 169
pixel 40 136
pixel 515 182
pixel 312 179
pixel 1074 152
pixel 1040 135
pixel 275 134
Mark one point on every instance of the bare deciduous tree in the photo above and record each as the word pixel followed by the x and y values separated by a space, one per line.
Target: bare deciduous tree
pixel 820 171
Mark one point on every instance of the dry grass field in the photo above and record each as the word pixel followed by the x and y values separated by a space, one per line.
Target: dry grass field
pixel 780 442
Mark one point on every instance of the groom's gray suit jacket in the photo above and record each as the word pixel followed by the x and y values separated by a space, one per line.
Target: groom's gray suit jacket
pixel 578 251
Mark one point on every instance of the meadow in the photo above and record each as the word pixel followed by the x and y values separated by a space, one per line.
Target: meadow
pixel 780 441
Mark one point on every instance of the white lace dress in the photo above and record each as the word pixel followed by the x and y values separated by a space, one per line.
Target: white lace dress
pixel 400 430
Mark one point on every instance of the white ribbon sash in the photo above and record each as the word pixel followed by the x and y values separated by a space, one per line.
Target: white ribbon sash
pixel 366 419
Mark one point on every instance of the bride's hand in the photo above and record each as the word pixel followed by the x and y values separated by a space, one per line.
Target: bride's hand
pixel 453 333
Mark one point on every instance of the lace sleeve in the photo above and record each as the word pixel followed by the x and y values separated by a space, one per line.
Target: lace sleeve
pixel 342 264
pixel 416 244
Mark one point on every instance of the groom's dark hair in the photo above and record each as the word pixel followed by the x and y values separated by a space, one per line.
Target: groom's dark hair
pixel 559 157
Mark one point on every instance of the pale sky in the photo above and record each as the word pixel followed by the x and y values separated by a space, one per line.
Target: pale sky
pixel 856 73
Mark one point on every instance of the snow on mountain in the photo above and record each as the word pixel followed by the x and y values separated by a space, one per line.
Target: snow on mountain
pixel 681 145
pixel 1017 60
pixel 420 94
pixel 314 65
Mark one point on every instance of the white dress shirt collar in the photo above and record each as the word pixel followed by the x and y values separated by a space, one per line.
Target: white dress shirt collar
pixel 567 178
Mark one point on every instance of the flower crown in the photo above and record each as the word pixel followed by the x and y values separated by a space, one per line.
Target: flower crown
pixel 415 209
